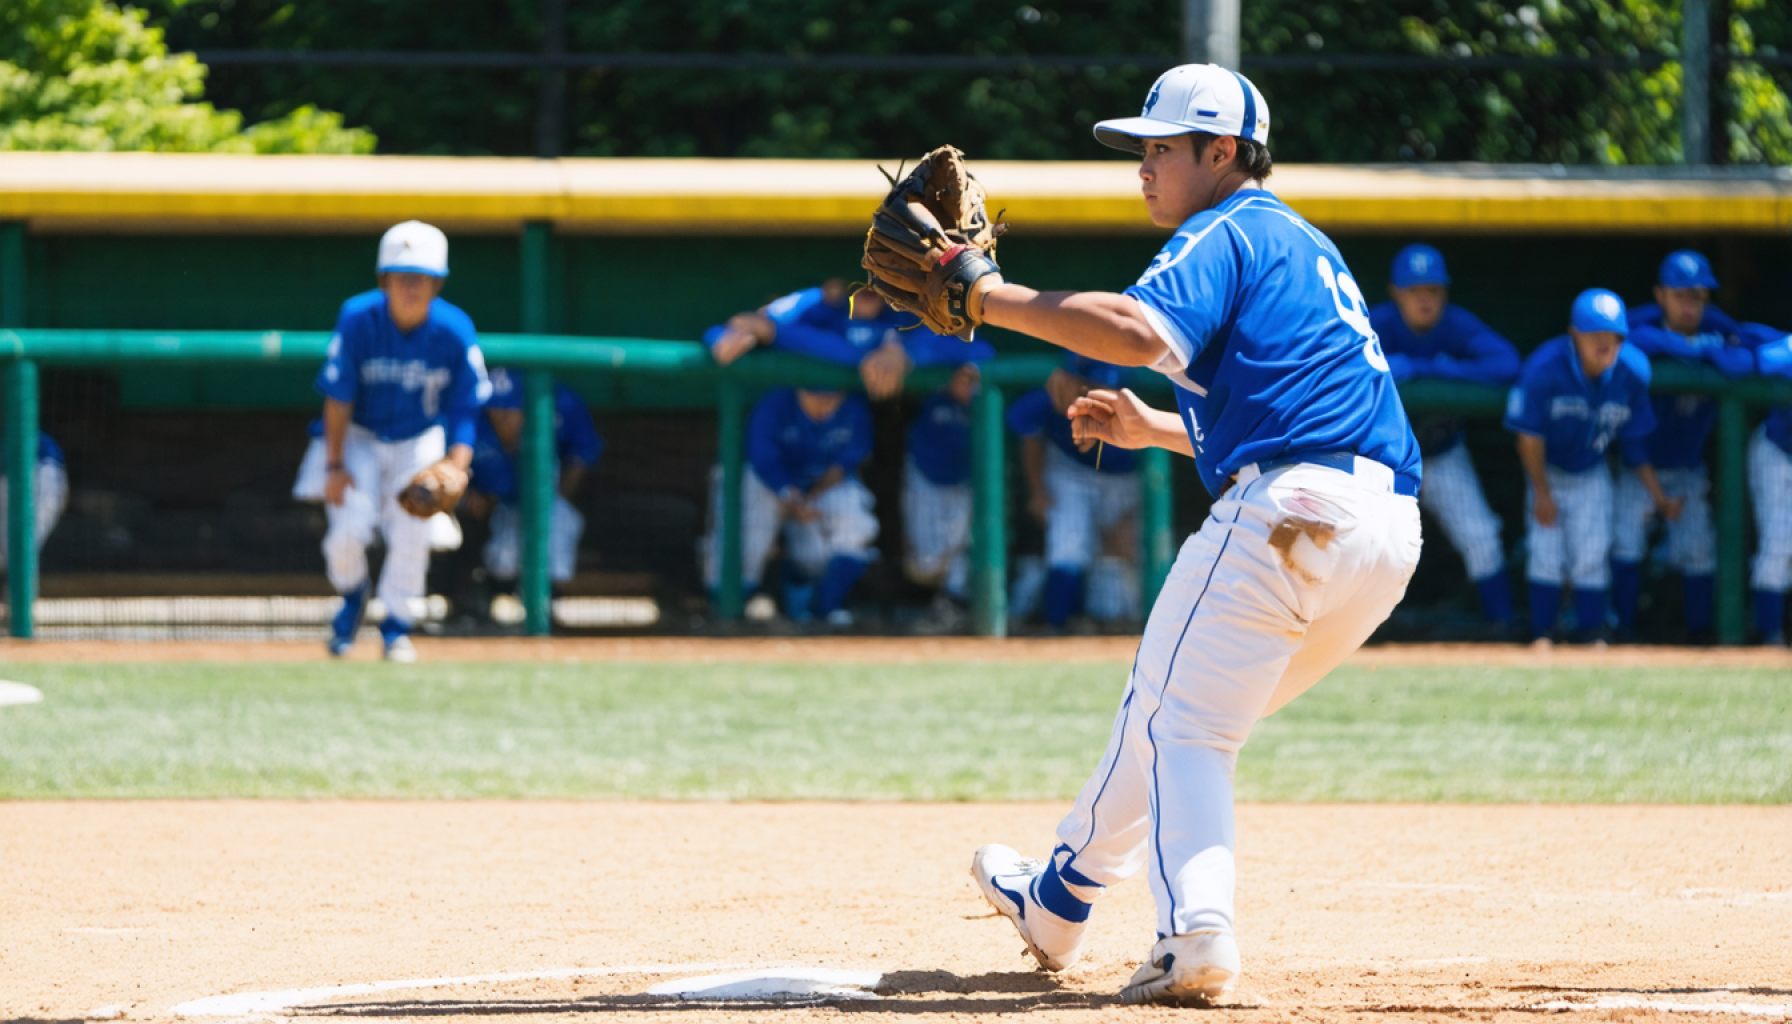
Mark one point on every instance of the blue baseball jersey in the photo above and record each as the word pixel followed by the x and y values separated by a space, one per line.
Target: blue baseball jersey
pixel 1033 415
pixel 788 449
pixel 402 383
pixel 808 324
pixel 1578 418
pixel 1271 349
pixel 939 440
pixel 1773 358
pixel 1458 347
pixel 495 471
pixel 1683 423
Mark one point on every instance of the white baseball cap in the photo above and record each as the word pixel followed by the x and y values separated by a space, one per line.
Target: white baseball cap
pixel 1192 98
pixel 413 248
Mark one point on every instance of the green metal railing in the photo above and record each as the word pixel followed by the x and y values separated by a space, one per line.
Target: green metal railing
pixel 21 351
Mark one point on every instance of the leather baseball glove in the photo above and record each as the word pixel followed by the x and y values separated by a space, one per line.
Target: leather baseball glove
pixel 436 488
pixel 931 247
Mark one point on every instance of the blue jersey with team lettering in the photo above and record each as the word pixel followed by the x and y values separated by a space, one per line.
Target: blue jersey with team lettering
pixel 939 440
pixel 401 383
pixel 495 471
pixel 1271 349
pixel 1683 423
pixel 1579 418
pixel 1458 347
pixel 1033 415
pixel 1773 358
pixel 788 449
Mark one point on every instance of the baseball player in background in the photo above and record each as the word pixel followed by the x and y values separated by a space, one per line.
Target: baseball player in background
pixel 1086 498
pixel 1770 484
pixel 1285 403
pixel 495 487
pixel 1426 336
pixel 936 495
pixel 804 450
pixel 1680 324
pixel 403 381
pixel 49 491
pixel 1576 394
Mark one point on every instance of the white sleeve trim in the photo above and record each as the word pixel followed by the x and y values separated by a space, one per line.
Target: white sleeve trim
pixel 1178 353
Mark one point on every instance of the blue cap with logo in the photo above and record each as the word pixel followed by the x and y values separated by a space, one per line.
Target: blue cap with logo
pixel 1599 309
pixel 1419 264
pixel 1096 372
pixel 1686 268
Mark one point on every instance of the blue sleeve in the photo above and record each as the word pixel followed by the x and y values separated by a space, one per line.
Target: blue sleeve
pixel 1527 404
pixel 492 471
pixel 1026 416
pixel 1642 411
pixel 1633 451
pixel 1772 349
pixel 1190 291
pixel 926 348
pixel 762 442
pixel 1659 342
pixel 713 335
pixel 788 309
pixel 858 447
pixel 339 378
pixel 577 438
pixel 817 343
pixel 468 387
pixel 1477 354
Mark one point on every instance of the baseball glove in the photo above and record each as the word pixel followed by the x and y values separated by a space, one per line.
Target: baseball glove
pixel 931 247
pixel 437 487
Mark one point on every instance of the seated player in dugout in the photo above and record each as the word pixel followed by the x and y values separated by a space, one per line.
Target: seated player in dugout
pixel 495 491
pixel 1576 394
pixel 1086 496
pixel 801 486
pixel 1426 336
pixel 1681 324
pixel 1770 484
pixel 831 323
pixel 49 494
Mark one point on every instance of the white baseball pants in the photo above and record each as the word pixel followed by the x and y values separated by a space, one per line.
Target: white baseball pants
pixel 1290 573
pixel 936 524
pixel 1578 546
pixel 504 549
pixel 1086 504
pixel 846 526
pixel 1452 494
pixel 1770 484
pixel 379 470
pixel 1692 539
pixel 49 487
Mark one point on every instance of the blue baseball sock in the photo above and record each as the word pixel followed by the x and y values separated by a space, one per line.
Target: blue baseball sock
pixel 1627 588
pixel 1589 613
pixel 393 628
pixel 1770 616
pixel 1063 594
pixel 348 617
pixel 1546 604
pixel 1496 597
pixel 1055 895
pixel 1701 596
pixel 842 572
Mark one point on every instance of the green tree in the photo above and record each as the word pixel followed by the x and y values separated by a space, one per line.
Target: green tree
pixel 90 75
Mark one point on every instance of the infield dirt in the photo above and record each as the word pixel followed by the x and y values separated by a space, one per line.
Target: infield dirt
pixel 1372 913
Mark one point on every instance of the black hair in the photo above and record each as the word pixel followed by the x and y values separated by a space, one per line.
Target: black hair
pixel 1253 157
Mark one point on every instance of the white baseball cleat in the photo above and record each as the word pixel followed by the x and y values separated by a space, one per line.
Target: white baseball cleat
pixel 1008 882
pixel 1194 969
pixel 400 649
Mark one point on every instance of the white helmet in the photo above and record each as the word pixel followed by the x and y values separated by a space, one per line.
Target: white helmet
pixel 414 248
pixel 1192 98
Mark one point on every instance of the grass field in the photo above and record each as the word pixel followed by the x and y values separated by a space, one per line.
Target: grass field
pixel 945 731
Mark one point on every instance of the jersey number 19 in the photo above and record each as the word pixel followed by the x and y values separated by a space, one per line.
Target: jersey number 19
pixel 1348 298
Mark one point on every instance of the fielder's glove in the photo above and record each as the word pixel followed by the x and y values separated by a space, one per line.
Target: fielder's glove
pixel 436 488
pixel 931 247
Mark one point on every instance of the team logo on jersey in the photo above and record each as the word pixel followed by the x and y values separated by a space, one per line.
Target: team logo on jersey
pixel 1568 406
pixel 1170 255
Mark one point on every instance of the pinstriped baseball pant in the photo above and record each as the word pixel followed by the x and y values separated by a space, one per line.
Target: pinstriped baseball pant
pixel 1770 484
pixel 1452 494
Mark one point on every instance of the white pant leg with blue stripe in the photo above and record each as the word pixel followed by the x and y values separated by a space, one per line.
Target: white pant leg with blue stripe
pixel 1452 493
pixel 1577 547
pixel 1770 484
pixel 1240 629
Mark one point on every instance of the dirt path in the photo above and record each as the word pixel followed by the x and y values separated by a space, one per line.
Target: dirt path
pixel 1374 913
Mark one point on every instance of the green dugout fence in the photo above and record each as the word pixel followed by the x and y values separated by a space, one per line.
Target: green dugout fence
pixel 539 355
